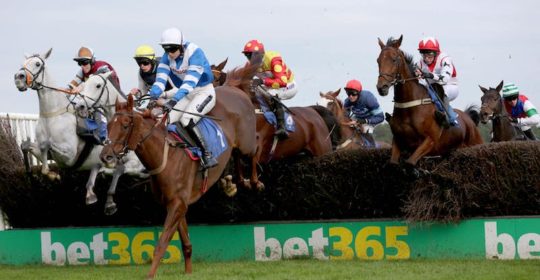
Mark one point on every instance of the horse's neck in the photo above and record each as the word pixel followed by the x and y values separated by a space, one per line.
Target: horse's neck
pixel 50 100
pixel 150 151
pixel 109 99
pixel 503 130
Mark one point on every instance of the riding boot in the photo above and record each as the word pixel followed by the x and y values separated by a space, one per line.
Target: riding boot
pixel 370 140
pixel 529 133
pixel 101 122
pixel 452 116
pixel 207 160
pixel 281 131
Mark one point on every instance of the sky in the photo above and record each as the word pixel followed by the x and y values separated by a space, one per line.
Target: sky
pixel 325 43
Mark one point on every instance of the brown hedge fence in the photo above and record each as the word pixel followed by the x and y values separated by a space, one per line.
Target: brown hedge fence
pixel 487 180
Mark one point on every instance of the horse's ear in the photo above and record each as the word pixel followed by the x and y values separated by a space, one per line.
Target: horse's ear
pixel 381 43
pixel 222 64
pixel 130 102
pixel 336 93
pixel 500 86
pixel 398 42
pixel 107 74
pixel 117 104
pixel 483 89
pixel 47 54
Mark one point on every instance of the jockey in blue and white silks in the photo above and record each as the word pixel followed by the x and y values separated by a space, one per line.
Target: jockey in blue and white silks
pixel 187 67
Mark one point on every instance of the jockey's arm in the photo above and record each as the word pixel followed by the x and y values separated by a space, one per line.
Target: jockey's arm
pixel 279 75
pixel 446 71
pixel 533 118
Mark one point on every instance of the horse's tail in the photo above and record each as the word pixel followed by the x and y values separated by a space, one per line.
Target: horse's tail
pixel 474 112
pixel 331 123
pixel 241 77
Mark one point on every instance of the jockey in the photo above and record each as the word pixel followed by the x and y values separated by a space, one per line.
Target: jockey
pixel 521 109
pixel 187 67
pixel 145 56
pixel 363 109
pixel 276 78
pixel 89 66
pixel 437 67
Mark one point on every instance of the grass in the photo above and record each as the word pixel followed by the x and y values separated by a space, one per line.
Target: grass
pixel 293 269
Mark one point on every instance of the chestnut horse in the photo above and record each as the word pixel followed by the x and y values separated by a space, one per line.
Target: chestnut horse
pixel 176 178
pixel 351 137
pixel 317 130
pixel 413 124
pixel 219 75
pixel 493 109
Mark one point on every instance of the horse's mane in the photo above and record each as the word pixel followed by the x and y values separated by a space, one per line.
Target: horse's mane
pixel 241 77
pixel 409 58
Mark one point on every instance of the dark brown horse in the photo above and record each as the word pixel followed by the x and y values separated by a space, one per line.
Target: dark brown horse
pixel 493 109
pixel 413 125
pixel 351 136
pixel 176 178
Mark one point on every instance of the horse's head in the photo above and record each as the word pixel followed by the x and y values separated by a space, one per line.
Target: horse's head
pixel 391 61
pixel 97 92
pixel 491 102
pixel 125 132
pixel 32 72
pixel 330 101
pixel 219 74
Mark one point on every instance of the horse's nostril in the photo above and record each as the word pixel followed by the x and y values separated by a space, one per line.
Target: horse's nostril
pixel 20 76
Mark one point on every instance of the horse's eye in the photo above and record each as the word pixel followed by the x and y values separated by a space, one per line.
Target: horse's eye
pixel 98 86
pixel 38 64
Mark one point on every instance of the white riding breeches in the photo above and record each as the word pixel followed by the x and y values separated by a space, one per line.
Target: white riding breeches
pixel 284 93
pixel 451 91
pixel 200 101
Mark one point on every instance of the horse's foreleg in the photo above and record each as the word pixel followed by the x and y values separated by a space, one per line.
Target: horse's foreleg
pixel 422 150
pixel 396 152
pixel 43 153
pixel 254 175
pixel 110 206
pixel 90 195
pixel 175 209
pixel 186 244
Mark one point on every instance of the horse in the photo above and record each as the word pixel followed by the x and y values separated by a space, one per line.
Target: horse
pixel 100 93
pixel 176 178
pixel 317 130
pixel 219 75
pixel 351 137
pixel 492 108
pixel 56 130
pixel 413 124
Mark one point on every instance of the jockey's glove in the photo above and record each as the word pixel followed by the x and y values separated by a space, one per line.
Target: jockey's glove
pixel 167 107
pixel 428 75
pixel 362 121
pixel 514 120
pixel 257 82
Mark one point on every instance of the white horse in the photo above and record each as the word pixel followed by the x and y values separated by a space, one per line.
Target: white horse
pixel 56 132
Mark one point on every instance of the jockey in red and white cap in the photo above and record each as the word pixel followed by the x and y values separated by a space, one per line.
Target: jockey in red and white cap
pixel 437 67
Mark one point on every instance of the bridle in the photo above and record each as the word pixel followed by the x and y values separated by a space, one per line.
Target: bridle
pixel 125 143
pixel 395 78
pixel 32 77
pixel 95 104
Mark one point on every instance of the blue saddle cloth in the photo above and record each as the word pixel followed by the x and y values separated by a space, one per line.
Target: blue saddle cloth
pixel 213 135
pixel 271 117
pixel 452 116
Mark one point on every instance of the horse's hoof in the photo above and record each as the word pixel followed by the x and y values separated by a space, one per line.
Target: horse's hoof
pixel 259 186
pixel 91 198
pixel 231 190
pixel 53 176
pixel 110 209
pixel 246 183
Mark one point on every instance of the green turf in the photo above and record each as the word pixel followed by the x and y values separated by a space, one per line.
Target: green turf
pixel 294 269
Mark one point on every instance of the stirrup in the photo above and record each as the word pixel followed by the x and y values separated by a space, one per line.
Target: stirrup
pixel 281 133
pixel 208 161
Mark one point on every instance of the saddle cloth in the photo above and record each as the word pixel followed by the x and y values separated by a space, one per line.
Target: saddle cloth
pixel 213 135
